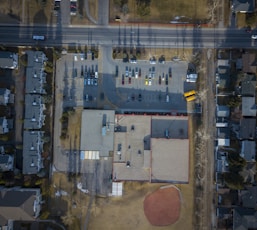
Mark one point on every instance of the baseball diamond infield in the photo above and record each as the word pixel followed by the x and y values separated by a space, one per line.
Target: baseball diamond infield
pixel 162 207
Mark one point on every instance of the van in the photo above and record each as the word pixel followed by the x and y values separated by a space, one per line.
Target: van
pixel 38 37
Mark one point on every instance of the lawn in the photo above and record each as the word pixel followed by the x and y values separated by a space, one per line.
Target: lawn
pixel 161 11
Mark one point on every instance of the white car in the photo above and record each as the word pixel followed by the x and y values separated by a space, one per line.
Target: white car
pixel 254 36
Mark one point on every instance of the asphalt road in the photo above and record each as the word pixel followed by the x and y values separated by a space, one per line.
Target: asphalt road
pixel 129 36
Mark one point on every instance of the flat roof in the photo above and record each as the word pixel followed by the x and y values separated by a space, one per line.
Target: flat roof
pixel 175 127
pixel 97 128
pixel 170 160
pixel 142 153
pixel 132 144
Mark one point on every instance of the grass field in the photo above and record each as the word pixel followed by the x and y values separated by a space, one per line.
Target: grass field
pixel 163 11
pixel 30 12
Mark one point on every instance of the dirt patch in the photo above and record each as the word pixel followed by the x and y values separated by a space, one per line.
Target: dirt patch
pixel 159 11
pixel 67 202
pixel 162 207
pixel 74 125
pixel 146 54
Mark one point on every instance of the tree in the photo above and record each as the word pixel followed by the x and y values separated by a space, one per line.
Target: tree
pixel 236 162
pixel 234 180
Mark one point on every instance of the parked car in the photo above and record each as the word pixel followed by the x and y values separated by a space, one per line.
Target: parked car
pixel 167 80
pixel 140 97
pixel 160 80
pixel 123 80
pixel 129 80
pixel 170 72
pixel 139 72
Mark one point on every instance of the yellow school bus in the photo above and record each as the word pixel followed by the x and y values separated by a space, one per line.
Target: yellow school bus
pixel 191 98
pixel 189 93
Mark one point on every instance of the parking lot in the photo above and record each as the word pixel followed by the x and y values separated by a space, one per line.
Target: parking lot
pixel 143 86
pixel 126 87
pixel 80 81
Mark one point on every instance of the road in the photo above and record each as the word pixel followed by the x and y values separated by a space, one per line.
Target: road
pixel 129 36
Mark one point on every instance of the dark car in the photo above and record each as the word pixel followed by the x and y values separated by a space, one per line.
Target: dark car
pixel 122 81
pixel 133 97
pixel 140 97
pixel 93 56
pixel 129 81
pixel 167 80
pixel 139 72
pixel 170 72
pixel 160 80
pixel 116 71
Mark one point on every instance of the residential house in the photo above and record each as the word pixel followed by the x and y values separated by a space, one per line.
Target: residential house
pixel 221 122
pixel 223 111
pixel 3 125
pixel 223 76
pixel 248 197
pixel 223 136
pixel 249 63
pixel 243 6
pixel 36 58
pixel 35 80
pixel 4 96
pixel 6 162
pixel 247 128
pixel 248 107
pixel 8 60
pixel 244 219
pixel 221 161
pixel 248 150
pixel 248 85
pixel 19 204
pixel 34 108
pixel 223 62
pixel 32 149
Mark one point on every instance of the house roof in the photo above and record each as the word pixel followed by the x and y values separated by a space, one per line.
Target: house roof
pixel 244 219
pixel 248 107
pixel 243 6
pixel 19 204
pixel 4 96
pixel 223 135
pixel 249 63
pixel 6 162
pixel 36 78
pixel 34 107
pixel 248 150
pixel 32 149
pixel 8 60
pixel 248 88
pixel 223 111
pixel 247 128
pixel 223 62
pixel 221 162
pixel 249 197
